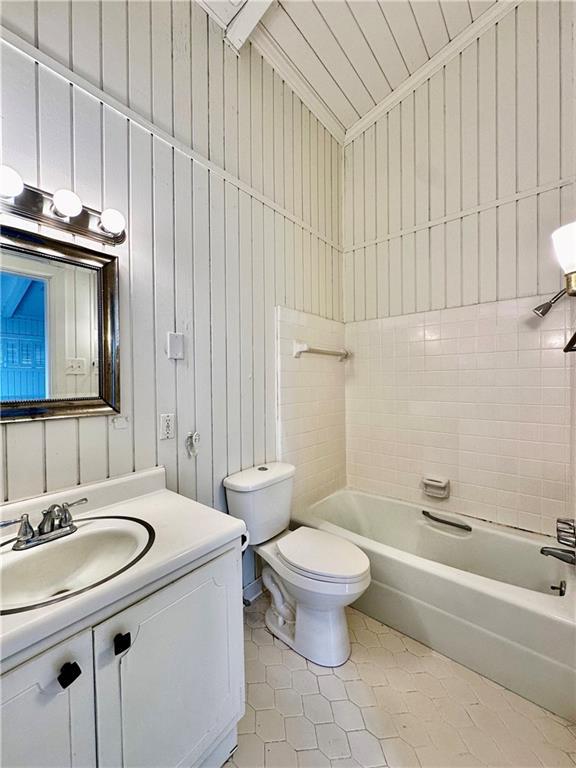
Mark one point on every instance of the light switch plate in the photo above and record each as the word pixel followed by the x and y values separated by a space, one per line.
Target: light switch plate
pixel 76 366
pixel 175 346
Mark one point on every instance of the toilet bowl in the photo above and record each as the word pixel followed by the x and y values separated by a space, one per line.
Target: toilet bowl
pixel 310 589
pixel 311 575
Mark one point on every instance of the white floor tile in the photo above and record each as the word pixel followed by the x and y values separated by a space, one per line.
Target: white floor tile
pixel 332 688
pixel 280 755
pixel 348 715
pixel 300 733
pixel 270 725
pixel 366 749
pixel 312 758
pixel 394 702
pixel 332 741
pixel 317 709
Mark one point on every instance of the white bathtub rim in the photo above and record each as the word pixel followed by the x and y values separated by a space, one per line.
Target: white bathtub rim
pixel 429 505
pixel 550 606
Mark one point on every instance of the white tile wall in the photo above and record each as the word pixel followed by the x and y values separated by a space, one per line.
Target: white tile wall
pixel 478 394
pixel 311 403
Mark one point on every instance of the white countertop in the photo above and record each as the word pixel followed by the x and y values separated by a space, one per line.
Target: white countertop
pixel 185 531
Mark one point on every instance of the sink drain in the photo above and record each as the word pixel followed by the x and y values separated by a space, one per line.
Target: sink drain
pixel 59 592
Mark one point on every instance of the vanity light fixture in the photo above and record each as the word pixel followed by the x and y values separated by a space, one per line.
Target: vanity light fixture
pixel 11 184
pixel 66 204
pixel 112 221
pixel 63 210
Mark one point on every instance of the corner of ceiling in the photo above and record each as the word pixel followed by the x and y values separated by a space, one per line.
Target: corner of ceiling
pixel 451 49
pixel 275 56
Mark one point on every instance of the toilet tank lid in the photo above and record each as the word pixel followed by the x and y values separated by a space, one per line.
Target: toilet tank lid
pixel 258 477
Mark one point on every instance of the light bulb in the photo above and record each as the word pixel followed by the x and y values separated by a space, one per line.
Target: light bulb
pixel 112 221
pixel 564 240
pixel 11 184
pixel 66 203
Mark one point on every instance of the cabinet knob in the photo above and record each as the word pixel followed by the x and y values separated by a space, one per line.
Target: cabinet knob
pixel 68 673
pixel 122 642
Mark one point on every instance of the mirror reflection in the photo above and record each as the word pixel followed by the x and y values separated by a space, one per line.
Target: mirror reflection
pixel 48 329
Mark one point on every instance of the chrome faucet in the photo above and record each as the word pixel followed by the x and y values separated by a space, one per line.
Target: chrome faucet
pixel 56 522
pixel 566 535
pixel 560 554
pixel 25 531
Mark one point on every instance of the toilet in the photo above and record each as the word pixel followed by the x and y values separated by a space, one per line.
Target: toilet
pixel 311 575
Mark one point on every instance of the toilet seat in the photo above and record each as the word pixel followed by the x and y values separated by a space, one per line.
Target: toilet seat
pixel 321 556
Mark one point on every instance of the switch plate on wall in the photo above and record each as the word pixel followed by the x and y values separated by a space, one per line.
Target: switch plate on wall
pixel 167 426
pixel 175 346
pixel 76 366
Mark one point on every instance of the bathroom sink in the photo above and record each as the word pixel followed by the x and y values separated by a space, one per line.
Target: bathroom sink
pixel 101 548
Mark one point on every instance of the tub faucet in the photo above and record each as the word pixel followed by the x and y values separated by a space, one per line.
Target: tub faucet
pixel 565 555
pixel 566 532
pixel 566 535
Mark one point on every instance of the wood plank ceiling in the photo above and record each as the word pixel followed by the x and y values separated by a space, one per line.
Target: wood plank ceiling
pixel 353 53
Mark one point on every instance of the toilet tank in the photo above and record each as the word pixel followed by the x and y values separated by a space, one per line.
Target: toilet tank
pixel 261 496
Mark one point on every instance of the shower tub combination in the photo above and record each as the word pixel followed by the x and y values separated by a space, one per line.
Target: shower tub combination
pixel 479 593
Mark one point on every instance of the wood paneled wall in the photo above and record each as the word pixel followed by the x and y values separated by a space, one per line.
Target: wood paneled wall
pixel 210 252
pixel 451 196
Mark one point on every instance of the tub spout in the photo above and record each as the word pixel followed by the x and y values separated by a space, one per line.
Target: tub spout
pixel 560 554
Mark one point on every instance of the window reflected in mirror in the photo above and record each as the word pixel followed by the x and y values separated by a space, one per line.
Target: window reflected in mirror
pixel 59 337
pixel 48 329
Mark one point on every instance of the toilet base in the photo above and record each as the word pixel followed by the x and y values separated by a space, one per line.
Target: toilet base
pixel 320 636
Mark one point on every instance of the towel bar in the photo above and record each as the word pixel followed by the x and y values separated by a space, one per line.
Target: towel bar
pixel 301 347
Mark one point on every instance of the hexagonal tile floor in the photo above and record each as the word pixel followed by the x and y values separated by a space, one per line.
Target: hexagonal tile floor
pixel 395 703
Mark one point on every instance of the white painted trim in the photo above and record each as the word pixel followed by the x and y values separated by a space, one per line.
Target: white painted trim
pixel 243 24
pixel 490 17
pixel 47 61
pixel 462 214
pixel 207 8
pixel 275 56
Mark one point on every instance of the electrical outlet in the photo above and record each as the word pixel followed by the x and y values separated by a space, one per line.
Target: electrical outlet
pixel 167 426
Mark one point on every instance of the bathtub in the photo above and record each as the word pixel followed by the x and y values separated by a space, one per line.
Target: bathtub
pixel 480 596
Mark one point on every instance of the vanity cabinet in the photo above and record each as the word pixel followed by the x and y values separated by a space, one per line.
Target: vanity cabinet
pixel 169 671
pixel 48 708
pixel 158 684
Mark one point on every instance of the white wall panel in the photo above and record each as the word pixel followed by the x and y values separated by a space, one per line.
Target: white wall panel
pixel 471 170
pixel 205 255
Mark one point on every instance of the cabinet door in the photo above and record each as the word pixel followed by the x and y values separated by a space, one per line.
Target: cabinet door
pixel 46 722
pixel 163 699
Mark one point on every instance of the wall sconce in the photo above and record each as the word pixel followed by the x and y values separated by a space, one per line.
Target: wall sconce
pixel 63 210
pixel 564 240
